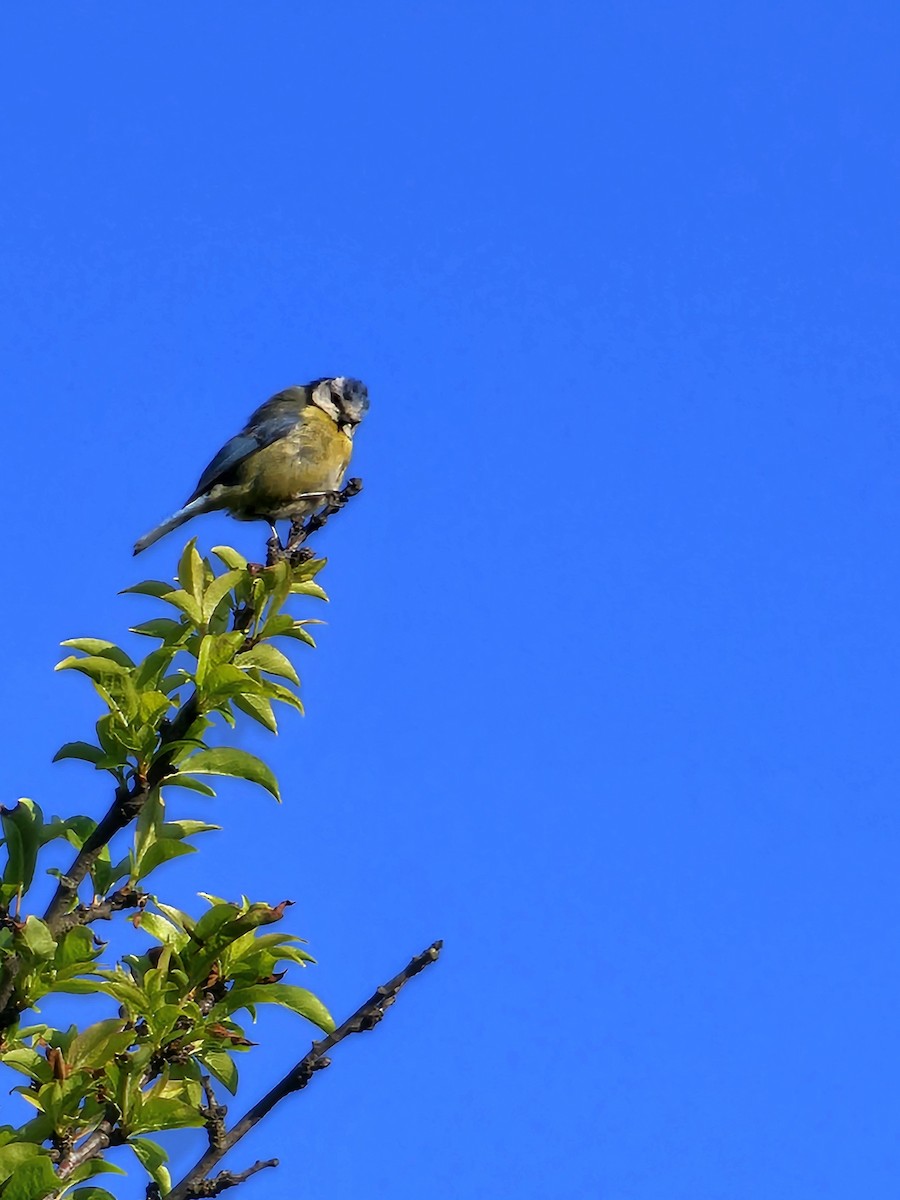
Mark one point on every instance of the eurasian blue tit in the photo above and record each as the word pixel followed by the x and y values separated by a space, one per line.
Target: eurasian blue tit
pixel 292 452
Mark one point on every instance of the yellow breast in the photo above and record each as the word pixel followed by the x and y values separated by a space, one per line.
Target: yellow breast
pixel 311 458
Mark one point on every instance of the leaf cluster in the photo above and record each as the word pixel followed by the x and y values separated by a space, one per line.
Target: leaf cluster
pixel 174 1011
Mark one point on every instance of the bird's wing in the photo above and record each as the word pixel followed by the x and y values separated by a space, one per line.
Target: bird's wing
pixel 263 430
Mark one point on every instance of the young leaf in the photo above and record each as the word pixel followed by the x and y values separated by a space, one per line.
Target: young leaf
pixel 185 781
pixel 81 750
pixel 38 938
pixel 190 570
pixel 221 1065
pixel 99 647
pixel 218 590
pixel 14 1154
pixel 161 627
pixel 257 707
pixel 94 1045
pixel 226 760
pixel 230 558
pixel 308 588
pixel 188 604
pixel 151 1157
pixel 33 1180
pixel 95 666
pixel 270 659
pixel 149 587
pixel 298 999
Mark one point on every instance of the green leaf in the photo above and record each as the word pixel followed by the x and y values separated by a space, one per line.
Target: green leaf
pixel 151 670
pixel 161 627
pixel 38 938
pixel 94 1045
pixel 27 1062
pixel 221 1065
pixel 227 760
pixel 259 708
pixel 216 649
pixel 277 691
pixel 93 665
pixel 93 1193
pixel 81 750
pixel 185 781
pixel 87 1170
pixel 159 852
pixel 186 828
pixel 186 603
pixel 190 570
pixel 152 1156
pixel 230 557
pixel 219 589
pixel 298 630
pixel 178 918
pixel 149 587
pixel 76 946
pixel 227 680
pixel 270 659
pixel 99 647
pixel 153 705
pixel 162 930
pixel 22 829
pixel 104 873
pixel 33 1180
pixel 75 987
pixel 297 999
pixel 213 920
pixel 166 1112
pixel 14 1155
pixel 308 588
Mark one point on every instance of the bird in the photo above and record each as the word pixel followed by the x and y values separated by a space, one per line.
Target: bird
pixel 285 463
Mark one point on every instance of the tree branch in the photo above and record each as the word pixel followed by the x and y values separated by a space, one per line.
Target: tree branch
pixel 100 910
pixel 228 1179
pixel 125 808
pixel 104 1136
pixel 367 1016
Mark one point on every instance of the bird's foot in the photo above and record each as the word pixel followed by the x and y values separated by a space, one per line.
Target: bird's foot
pixel 275 552
pixel 294 551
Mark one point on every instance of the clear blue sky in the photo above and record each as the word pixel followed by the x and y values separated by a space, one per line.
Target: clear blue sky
pixel 608 697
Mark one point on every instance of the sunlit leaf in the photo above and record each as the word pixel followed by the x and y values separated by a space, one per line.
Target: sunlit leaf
pixel 227 760
pixel 81 750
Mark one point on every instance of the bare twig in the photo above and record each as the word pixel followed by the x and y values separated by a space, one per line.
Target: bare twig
pixel 100 910
pixel 215 1115
pixel 228 1179
pixel 104 1136
pixel 367 1016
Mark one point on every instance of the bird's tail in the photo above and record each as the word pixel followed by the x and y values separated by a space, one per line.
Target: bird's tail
pixel 200 505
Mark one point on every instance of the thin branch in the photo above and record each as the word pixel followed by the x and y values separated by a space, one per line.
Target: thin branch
pixel 104 1136
pixel 367 1016
pixel 100 910
pixel 228 1179
pixel 214 1114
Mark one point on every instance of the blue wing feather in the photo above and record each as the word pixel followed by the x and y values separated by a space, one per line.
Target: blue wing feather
pixel 262 430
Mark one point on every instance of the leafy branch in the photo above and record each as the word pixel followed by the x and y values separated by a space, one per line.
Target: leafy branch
pixel 196 1182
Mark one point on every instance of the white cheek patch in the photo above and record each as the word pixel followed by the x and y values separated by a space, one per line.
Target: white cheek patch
pixel 322 399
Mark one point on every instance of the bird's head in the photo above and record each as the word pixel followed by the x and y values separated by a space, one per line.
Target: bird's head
pixel 345 400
